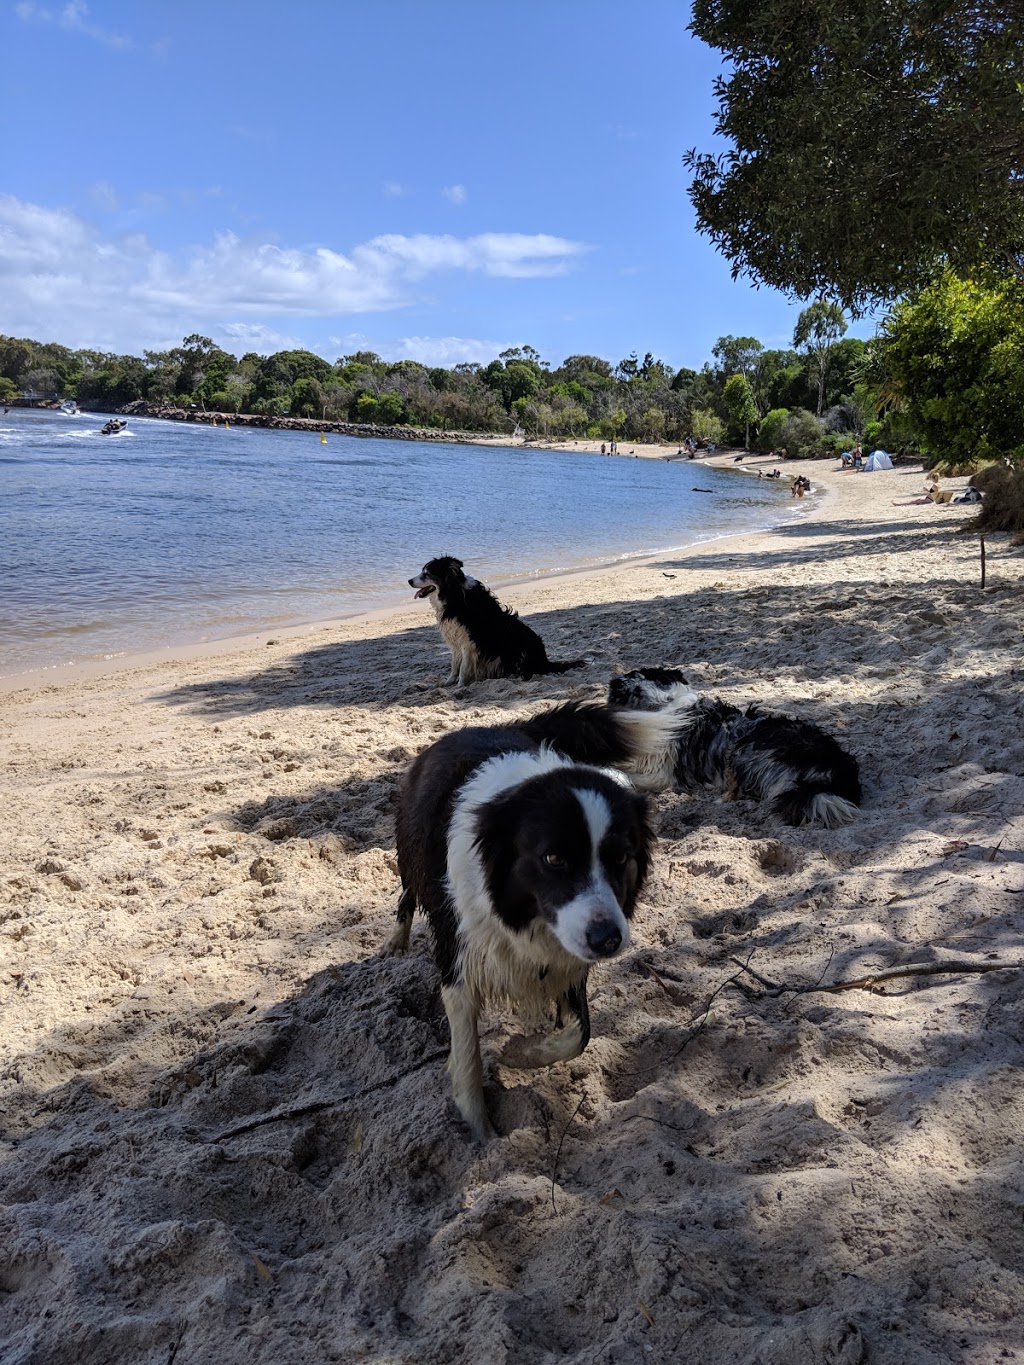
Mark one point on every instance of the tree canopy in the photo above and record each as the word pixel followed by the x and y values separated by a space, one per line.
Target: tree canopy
pixel 952 361
pixel 868 142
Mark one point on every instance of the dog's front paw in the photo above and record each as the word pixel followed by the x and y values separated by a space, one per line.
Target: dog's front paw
pixel 524 1052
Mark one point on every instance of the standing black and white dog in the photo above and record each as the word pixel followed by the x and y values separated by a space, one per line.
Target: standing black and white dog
pixel 486 639
pixel 528 866
pixel 793 765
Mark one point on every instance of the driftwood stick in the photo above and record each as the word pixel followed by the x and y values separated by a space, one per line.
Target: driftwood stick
pixel 695 1029
pixel 761 980
pixel 981 542
pixel 866 983
pixel 318 1106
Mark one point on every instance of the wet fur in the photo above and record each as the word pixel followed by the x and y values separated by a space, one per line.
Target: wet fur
pixel 479 813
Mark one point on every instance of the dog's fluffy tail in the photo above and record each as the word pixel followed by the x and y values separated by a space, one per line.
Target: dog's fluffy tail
pixel 641 743
pixel 805 803
pixel 585 731
pixel 564 665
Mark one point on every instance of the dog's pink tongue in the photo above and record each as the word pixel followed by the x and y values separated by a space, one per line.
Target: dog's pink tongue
pixel 424 592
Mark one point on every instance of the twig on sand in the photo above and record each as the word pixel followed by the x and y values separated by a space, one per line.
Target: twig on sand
pixel 318 1106
pixel 558 1153
pixel 695 1029
pixel 773 989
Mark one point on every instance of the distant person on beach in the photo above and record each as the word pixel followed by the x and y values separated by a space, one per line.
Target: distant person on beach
pixel 602 448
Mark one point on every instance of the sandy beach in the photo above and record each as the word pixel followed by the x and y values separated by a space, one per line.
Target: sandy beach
pixel 228 1135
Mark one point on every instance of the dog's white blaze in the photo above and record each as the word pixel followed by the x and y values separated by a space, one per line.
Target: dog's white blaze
pixel 598 815
pixel 598 901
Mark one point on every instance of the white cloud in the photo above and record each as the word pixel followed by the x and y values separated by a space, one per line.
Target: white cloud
pixel 62 279
pixel 74 16
pixel 448 351
pixel 254 336
pixel 391 189
pixel 445 351
pixel 455 193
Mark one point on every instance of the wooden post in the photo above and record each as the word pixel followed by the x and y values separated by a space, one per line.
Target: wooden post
pixel 981 541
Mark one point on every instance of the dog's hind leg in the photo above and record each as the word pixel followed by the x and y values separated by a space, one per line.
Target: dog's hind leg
pixel 464 1064
pixel 399 940
pixel 568 1039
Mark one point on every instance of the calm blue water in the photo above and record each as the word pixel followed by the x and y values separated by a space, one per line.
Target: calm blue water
pixel 171 534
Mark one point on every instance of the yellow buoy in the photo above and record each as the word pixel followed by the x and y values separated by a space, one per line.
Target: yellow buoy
pixel 323 439
pixel 215 421
pixel 227 425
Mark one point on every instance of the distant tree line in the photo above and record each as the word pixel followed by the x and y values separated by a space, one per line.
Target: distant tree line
pixel 814 386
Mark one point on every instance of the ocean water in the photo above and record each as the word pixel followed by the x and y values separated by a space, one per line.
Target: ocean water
pixel 171 534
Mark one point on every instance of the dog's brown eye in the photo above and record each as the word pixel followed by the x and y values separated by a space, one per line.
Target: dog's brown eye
pixel 554 860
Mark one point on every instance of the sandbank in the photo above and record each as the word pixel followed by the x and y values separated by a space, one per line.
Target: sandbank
pixel 227 1129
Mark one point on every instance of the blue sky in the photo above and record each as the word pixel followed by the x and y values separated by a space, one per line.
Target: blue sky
pixel 432 179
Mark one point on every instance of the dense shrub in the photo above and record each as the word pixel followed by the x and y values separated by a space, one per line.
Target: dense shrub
pixel 706 428
pixel 1003 508
pixel 801 434
pixel 770 431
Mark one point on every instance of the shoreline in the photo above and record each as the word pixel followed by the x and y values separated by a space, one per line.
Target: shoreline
pixel 87 669
pixel 226 1113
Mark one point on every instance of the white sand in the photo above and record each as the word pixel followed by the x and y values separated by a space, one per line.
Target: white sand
pixel 198 876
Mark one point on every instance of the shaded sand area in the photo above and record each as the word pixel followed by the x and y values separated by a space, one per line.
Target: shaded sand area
pixel 227 1135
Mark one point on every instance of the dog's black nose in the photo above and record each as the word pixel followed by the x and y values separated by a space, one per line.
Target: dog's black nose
pixel 604 937
pixel 412 582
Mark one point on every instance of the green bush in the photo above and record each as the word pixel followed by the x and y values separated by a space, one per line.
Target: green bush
pixel 365 408
pixel 802 434
pixel 705 427
pixel 769 434
pixel 390 409
pixel 271 407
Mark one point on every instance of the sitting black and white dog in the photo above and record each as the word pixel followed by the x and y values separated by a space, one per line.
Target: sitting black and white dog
pixel 793 765
pixel 486 639
pixel 528 866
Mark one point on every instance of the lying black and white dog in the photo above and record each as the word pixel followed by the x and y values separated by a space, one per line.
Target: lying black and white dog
pixel 528 866
pixel 793 765
pixel 486 639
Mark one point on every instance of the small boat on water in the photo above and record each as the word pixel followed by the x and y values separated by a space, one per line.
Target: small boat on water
pixel 69 408
pixel 112 427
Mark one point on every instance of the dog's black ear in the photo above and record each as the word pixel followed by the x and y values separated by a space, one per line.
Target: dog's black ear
pixel 457 563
